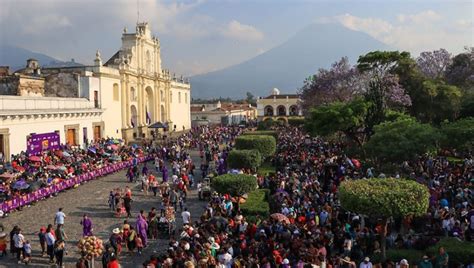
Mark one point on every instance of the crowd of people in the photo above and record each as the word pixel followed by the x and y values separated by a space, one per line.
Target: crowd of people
pixel 308 227
pixel 312 230
pixel 27 173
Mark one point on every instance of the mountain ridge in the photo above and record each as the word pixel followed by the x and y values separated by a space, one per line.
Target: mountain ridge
pixel 286 65
pixel 15 57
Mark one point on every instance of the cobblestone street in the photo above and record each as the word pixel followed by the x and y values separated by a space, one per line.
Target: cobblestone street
pixel 91 198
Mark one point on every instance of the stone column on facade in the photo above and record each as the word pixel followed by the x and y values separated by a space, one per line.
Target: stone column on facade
pixel 139 102
pixel 156 102
pixel 127 103
pixel 144 102
pixel 123 104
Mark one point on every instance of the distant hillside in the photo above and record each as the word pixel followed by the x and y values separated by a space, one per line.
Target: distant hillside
pixel 16 57
pixel 287 65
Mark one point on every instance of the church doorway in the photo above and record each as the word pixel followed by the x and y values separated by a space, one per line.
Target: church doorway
pixel 134 120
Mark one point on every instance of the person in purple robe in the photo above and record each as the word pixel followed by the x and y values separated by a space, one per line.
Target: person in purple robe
pixel 86 226
pixel 165 173
pixel 142 227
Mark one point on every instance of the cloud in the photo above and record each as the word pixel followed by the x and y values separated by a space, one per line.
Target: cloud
pixel 243 32
pixel 50 22
pixel 373 26
pixel 426 30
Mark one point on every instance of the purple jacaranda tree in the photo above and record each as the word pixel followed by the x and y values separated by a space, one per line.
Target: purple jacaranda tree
pixel 341 82
pixel 433 64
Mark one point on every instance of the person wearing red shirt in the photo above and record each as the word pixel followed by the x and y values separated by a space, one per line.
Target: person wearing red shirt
pixel 113 263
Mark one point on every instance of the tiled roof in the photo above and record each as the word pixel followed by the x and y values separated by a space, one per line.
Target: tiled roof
pixel 112 59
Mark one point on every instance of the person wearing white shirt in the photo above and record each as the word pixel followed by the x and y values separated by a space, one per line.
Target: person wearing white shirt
pixel 19 241
pixel 59 217
pixel 186 216
pixel 366 263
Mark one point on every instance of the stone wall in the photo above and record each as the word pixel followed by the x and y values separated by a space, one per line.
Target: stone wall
pixel 62 85
pixel 9 85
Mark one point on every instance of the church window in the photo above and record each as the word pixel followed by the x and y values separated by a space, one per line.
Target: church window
pixel 116 92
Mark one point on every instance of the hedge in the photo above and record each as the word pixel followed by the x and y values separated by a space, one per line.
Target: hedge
pixel 266 168
pixel 244 159
pixel 234 184
pixel 458 251
pixel 256 205
pixel 396 255
pixel 296 122
pixel 265 144
pixel 262 132
pixel 266 125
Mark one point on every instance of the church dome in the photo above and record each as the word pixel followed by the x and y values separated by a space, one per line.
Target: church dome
pixel 275 91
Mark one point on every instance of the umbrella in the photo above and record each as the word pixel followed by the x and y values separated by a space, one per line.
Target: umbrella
pixel 280 217
pixel 92 150
pixel 134 146
pixel 66 154
pixel 7 176
pixel 51 167
pixel 35 158
pixel 114 147
pixel 116 141
pixel 20 185
pixel 356 163
pixel 158 125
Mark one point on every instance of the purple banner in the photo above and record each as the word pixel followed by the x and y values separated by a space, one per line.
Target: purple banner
pixel 36 143
pixel 24 200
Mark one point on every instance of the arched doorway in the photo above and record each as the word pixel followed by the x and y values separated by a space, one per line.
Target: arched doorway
pixel 149 106
pixel 134 120
pixel 163 114
pixel 268 110
pixel 281 110
pixel 294 110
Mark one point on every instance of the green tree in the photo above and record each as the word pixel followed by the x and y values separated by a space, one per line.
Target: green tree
pixel 250 98
pixel 401 139
pixel 347 118
pixel 265 144
pixel 384 90
pixel 458 134
pixel 234 184
pixel 444 101
pixel 384 198
pixel 461 70
pixel 248 159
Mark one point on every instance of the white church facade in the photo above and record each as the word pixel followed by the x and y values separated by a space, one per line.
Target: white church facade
pixel 118 98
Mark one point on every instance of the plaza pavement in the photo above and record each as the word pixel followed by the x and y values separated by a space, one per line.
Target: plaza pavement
pixel 91 198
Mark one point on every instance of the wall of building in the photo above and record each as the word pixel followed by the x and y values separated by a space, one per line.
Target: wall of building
pixel 180 111
pixel 31 86
pixel 21 116
pixel 20 128
pixel 112 115
pixel 275 102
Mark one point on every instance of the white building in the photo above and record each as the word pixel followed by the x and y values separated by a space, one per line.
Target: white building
pixel 278 106
pixel 119 99
pixel 223 113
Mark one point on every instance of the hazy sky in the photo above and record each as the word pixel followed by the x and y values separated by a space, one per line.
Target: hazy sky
pixel 202 35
